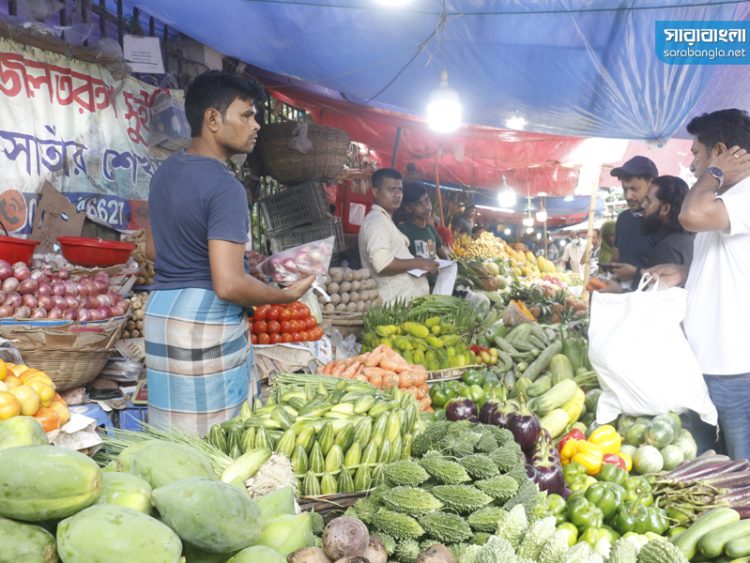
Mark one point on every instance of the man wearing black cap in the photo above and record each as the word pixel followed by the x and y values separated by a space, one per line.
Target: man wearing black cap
pixel 424 241
pixel 632 246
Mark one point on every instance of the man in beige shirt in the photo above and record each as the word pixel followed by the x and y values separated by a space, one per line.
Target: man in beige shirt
pixel 384 250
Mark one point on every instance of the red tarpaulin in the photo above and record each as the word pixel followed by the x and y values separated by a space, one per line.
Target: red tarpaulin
pixel 473 156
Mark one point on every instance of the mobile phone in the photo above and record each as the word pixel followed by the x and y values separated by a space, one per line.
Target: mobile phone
pixel 606 267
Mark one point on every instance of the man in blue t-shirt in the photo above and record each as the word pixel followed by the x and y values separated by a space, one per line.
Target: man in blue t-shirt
pixel 631 245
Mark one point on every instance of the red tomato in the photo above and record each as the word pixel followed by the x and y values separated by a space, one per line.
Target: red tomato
pixel 274 312
pixel 286 326
pixel 317 333
pixel 310 323
pixel 261 313
pixel 296 337
pixel 274 327
pixel 285 315
pixel 286 337
pixel 264 338
pixel 304 311
pixel 254 339
pixel 297 313
pixel 260 327
pixel 304 336
pixel 275 338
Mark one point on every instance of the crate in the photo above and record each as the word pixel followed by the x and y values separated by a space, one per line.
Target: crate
pixel 303 204
pixel 281 240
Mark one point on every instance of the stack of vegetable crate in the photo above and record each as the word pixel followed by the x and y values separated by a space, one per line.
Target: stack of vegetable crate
pixel 299 215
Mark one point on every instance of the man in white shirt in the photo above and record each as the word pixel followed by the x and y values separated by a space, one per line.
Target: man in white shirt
pixel 718 309
pixel 573 253
pixel 384 250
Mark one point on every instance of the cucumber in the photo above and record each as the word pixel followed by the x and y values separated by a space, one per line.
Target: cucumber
pixel 560 368
pixel 712 544
pixel 540 386
pixel 704 524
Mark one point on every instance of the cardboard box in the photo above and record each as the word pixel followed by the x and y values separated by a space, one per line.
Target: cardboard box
pixel 56 217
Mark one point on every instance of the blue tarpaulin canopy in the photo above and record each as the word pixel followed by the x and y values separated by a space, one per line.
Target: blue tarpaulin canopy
pixel 569 67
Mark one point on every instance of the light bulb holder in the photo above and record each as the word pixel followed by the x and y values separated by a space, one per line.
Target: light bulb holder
pixel 444 111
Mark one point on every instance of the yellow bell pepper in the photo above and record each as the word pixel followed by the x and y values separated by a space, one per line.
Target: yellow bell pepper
pixel 589 455
pixel 627 459
pixel 569 449
pixel 608 438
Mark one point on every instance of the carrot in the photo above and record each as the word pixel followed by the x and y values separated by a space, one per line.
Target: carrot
pixel 376 380
pixel 595 284
pixel 405 380
pixel 360 377
pixel 351 370
pixel 339 369
pixel 369 372
pixel 394 366
pixel 374 358
pixel 390 380
pixel 328 369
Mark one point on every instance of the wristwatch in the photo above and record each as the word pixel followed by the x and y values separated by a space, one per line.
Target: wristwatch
pixel 717 173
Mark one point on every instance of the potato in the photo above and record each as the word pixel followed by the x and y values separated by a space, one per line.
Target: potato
pixel 337 274
pixel 332 288
pixel 308 555
pixel 346 287
pixel 349 276
pixel 345 537
pixel 351 307
pixel 356 286
pixel 361 307
pixel 375 552
pixel 366 275
pixel 341 308
pixel 345 298
pixel 354 297
pixel 335 298
pixel 357 275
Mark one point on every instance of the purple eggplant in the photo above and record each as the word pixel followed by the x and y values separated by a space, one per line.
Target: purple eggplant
pixel 487 410
pixel 544 468
pixel 499 417
pixel 460 409
pixel 525 428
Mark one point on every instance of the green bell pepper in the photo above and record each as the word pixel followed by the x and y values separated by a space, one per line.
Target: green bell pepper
pixel 573 472
pixel 592 535
pixel 638 489
pixel 572 532
pixel 583 513
pixel 612 474
pixel 473 377
pixel 440 394
pixel 476 394
pixel 607 496
pixel 634 517
pixel 491 379
pixel 582 484
pixel 556 506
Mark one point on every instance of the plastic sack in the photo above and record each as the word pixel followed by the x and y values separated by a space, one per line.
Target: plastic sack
pixel 640 353
pixel 294 264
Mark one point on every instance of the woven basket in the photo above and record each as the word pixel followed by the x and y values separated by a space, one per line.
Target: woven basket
pixel 346 323
pixel 323 162
pixel 329 505
pixel 68 367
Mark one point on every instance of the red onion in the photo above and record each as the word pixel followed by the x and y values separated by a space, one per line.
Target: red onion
pixel 13 300
pixel 105 312
pixel 46 301
pixel 10 284
pixel 3 296
pixel 99 287
pixel 5 270
pixel 55 313
pixel 63 274
pixel 71 314
pixel 27 286
pixel 21 272
pixel 6 311
pixel 37 275
pixel 29 300
pixel 83 288
pixel 71 302
pixel 102 277
pixel 71 288
pixel 23 312
pixel 39 313
pixel 104 300
pixel 84 315
pixel 91 302
pixel 120 309
pixel 60 302
pixel 94 315
pixel 44 289
pixel 58 288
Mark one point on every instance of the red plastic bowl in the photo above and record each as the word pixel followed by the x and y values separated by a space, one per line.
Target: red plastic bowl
pixel 13 249
pixel 92 252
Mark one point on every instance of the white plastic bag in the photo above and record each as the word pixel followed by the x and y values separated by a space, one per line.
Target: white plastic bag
pixel 644 362
pixel 294 264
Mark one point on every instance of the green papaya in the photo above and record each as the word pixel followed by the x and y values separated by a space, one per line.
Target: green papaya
pixel 288 533
pixel 256 554
pixel 106 533
pixel 280 501
pixel 46 482
pixel 161 463
pixel 21 431
pixel 194 554
pixel 125 457
pixel 25 542
pixel 124 489
pixel 209 514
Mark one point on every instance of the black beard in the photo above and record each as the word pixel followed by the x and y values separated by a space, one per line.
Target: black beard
pixel 651 224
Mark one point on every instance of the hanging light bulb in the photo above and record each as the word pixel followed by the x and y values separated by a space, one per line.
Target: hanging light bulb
pixel 506 197
pixel 541 216
pixel 528 221
pixel 569 197
pixel 444 110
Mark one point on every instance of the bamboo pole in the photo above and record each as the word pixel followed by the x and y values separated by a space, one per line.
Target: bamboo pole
pixel 438 191
pixel 590 229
